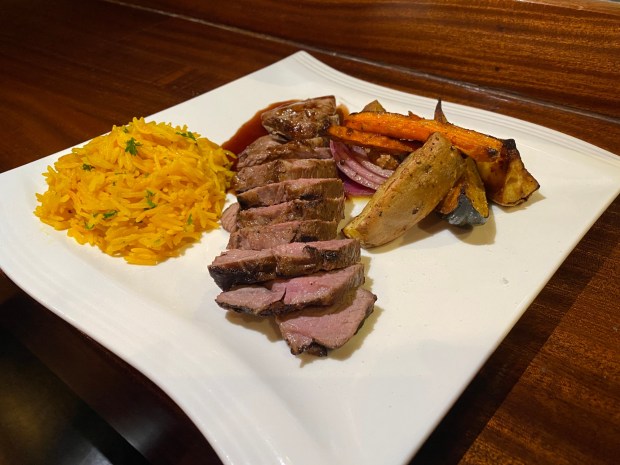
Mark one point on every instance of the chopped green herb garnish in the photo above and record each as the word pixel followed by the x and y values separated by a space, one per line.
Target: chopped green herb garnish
pixel 188 134
pixel 109 214
pixel 125 129
pixel 132 146
pixel 149 199
pixel 190 220
pixel 87 167
pixel 88 226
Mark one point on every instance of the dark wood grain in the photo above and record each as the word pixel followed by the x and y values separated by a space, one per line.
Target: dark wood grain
pixel 560 52
pixel 551 391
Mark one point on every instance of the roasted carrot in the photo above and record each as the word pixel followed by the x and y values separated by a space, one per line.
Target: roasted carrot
pixel 369 139
pixel 505 178
pixel 478 146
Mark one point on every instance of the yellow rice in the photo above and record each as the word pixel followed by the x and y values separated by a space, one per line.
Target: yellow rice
pixel 144 191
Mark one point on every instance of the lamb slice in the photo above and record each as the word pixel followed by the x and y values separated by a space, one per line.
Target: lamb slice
pixel 302 119
pixel 304 258
pixel 238 266
pixel 321 209
pixel 265 237
pixel 268 148
pixel 228 220
pixel 302 189
pixel 316 330
pixel 235 267
pixel 261 144
pixel 285 295
pixel 281 170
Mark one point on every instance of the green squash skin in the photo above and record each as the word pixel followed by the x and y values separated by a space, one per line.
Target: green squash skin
pixel 468 206
pixel 465 214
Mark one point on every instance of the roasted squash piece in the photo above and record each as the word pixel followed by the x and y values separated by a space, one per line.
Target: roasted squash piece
pixel 509 183
pixel 409 195
pixel 375 105
pixel 466 203
pixel 506 180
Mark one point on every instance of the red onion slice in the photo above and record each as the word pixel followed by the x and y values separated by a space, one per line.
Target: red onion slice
pixel 355 176
pixel 346 162
pixel 370 166
pixel 351 188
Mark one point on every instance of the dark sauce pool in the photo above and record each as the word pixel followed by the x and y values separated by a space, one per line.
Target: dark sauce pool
pixel 253 129
pixel 249 131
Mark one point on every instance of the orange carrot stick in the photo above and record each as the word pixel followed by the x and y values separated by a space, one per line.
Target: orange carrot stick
pixel 478 146
pixel 371 140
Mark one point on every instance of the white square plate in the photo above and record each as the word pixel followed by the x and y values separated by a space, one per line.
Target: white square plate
pixel 446 297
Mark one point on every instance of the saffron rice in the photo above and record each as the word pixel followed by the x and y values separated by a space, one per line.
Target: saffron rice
pixel 144 191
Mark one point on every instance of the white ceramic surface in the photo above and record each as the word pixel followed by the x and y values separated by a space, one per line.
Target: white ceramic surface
pixel 446 297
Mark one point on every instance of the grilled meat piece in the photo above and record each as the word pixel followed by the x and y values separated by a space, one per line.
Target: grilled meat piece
pixel 318 329
pixel 322 209
pixel 302 189
pixel 228 220
pixel 265 237
pixel 294 260
pixel 281 170
pixel 237 266
pixel 268 148
pixel 286 295
pixel 282 256
pixel 303 119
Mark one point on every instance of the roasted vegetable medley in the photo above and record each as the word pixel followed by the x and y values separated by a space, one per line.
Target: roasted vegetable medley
pixel 409 167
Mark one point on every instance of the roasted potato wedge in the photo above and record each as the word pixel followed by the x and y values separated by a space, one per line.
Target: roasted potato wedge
pixel 409 195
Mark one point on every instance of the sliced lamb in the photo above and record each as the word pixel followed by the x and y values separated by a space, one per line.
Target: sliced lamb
pixel 303 119
pixel 322 209
pixel 265 237
pixel 281 170
pixel 282 256
pixel 262 144
pixel 268 148
pixel 286 295
pixel 303 189
pixel 237 266
pixel 228 219
pixel 315 256
pixel 318 329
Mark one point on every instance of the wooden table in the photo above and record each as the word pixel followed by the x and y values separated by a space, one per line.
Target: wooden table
pixel 550 394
